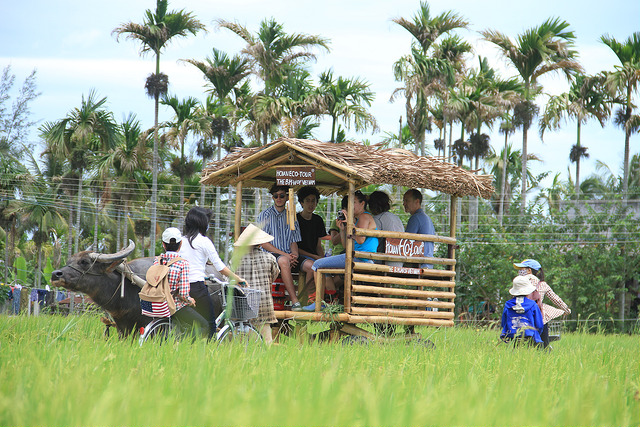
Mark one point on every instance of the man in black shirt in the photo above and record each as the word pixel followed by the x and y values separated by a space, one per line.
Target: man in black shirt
pixel 311 230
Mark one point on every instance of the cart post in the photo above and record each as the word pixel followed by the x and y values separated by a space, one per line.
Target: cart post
pixel 453 214
pixel 238 217
pixel 348 265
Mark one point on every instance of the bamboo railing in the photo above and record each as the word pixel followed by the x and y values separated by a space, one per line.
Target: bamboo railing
pixel 380 293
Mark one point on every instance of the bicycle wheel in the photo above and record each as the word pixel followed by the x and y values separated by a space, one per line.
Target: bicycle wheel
pixel 225 334
pixel 157 330
pixel 246 334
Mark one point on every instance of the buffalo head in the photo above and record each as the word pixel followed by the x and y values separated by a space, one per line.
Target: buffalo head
pixel 99 276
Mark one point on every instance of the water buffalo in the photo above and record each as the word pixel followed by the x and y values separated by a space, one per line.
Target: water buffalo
pixel 100 276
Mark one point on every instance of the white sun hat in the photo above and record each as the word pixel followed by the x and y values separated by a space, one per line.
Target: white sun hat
pixel 522 286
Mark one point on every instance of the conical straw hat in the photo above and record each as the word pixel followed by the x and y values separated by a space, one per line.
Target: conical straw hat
pixel 252 236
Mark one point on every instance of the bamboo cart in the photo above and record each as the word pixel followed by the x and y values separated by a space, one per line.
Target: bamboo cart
pixel 373 293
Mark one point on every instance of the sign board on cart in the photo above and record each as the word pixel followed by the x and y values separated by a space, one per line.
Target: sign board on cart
pixel 405 270
pixel 300 175
pixel 404 247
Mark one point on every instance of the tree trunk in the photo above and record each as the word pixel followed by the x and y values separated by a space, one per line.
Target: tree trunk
pixel 70 233
pixel 333 129
pixel 95 226
pixel 216 210
pixel 227 230
pixel 154 179
pixel 181 201
pixel 473 207
pixel 578 164
pixel 39 269
pixel 7 238
pixel 78 210
pixel 523 188
pixel 119 229
pixel 202 187
pixel 450 138
pixel 503 191
pixel 125 237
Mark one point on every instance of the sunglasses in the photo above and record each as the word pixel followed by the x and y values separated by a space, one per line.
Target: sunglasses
pixel 280 196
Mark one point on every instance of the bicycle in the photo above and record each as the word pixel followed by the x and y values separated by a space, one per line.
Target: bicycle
pixel 231 324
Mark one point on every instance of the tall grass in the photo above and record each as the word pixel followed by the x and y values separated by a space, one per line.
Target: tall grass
pixel 62 371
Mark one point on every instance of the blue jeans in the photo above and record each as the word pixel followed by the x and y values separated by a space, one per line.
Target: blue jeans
pixel 335 261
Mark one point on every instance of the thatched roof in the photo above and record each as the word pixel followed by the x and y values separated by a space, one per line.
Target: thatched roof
pixel 337 164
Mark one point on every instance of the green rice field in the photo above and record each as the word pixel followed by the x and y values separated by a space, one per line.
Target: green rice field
pixel 62 371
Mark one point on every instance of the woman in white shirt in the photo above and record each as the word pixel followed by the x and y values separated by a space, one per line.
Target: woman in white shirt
pixel 198 249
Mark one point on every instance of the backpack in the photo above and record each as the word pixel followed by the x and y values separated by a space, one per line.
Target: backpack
pixel 155 297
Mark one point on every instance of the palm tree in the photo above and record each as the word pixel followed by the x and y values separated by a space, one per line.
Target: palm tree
pixel 10 172
pixel 38 210
pixel 215 113
pixel 402 139
pixel 157 29
pixel 126 162
pixel 274 57
pixel 507 128
pixel 539 50
pixel 586 98
pixel 623 81
pixel 223 74
pixel 273 53
pixel 85 131
pixel 346 98
pixel 555 193
pixel 509 173
pixel 430 68
pixel 186 120
pixel 101 184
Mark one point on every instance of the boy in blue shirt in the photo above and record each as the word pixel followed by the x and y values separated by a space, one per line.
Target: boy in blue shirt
pixel 522 318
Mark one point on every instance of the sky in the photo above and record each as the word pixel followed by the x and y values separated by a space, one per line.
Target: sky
pixel 70 44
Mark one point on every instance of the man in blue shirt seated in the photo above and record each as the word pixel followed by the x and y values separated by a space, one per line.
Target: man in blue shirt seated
pixel 419 222
pixel 284 246
pixel 522 318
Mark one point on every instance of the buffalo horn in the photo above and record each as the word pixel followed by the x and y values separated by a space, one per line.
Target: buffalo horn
pixel 105 258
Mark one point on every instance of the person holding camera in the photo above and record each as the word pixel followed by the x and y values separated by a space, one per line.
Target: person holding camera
pixel 336 245
pixel 364 220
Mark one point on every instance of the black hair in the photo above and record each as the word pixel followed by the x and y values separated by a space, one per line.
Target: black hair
pixel 307 191
pixel 379 202
pixel 361 196
pixel 173 246
pixel 345 202
pixel 415 194
pixel 196 222
pixel 538 273
pixel 275 188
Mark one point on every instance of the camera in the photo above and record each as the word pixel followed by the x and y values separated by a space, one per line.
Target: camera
pixel 341 216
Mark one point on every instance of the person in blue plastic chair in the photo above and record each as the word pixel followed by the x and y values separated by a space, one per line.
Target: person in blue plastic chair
pixel 522 318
